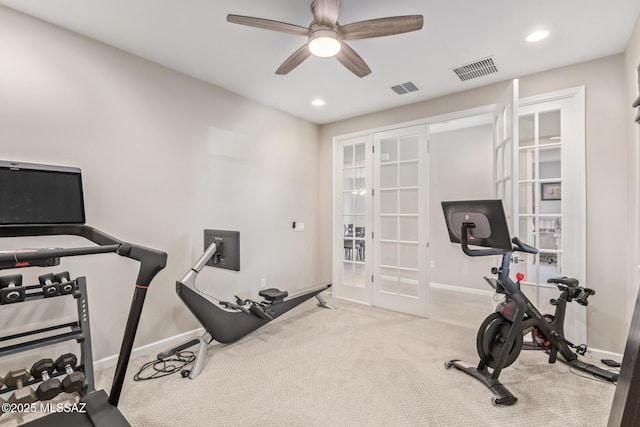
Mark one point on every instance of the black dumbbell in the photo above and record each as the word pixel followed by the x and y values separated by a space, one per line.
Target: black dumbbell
pixel 66 285
pixel 17 378
pixel 74 381
pixel 50 287
pixel 50 387
pixel 12 289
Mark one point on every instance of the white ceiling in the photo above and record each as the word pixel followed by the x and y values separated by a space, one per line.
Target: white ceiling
pixel 193 37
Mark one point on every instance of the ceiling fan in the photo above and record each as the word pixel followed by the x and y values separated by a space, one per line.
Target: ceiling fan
pixel 326 36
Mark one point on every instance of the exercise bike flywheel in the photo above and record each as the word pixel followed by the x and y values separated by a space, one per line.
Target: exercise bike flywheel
pixel 491 340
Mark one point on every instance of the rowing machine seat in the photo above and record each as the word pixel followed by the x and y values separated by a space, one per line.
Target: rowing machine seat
pixel 273 294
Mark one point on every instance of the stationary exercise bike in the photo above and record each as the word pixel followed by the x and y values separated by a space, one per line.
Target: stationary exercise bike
pixel 226 321
pixel 500 337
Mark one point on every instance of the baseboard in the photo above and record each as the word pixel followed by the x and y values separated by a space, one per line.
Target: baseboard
pixel 151 348
pixel 461 289
pixel 352 300
pixel 604 354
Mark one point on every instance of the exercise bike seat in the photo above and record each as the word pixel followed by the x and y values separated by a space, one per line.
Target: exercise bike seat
pixel 273 294
pixel 567 281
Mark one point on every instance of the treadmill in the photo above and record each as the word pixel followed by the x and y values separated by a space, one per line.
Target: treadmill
pixel 45 200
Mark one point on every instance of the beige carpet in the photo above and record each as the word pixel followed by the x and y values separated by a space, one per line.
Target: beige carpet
pixel 357 366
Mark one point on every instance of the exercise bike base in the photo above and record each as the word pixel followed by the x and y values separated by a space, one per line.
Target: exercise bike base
pixel 597 372
pixel 501 394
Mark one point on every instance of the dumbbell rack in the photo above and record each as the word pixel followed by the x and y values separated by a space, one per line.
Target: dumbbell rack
pixel 79 331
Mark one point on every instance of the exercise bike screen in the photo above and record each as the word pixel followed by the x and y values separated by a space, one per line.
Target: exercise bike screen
pixel 491 229
pixel 482 229
pixel 39 194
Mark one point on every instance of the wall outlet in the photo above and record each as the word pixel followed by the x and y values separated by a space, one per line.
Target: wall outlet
pixel 298 226
pixel 432 264
pixel 263 282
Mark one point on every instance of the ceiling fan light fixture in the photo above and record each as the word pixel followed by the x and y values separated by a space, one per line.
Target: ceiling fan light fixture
pixel 324 43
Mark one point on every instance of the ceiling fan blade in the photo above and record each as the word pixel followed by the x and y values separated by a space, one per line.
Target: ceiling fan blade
pixel 294 60
pixel 268 24
pixel 350 59
pixel 381 27
pixel 325 12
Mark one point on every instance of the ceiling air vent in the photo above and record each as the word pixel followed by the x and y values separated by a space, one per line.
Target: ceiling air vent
pixel 482 67
pixel 404 88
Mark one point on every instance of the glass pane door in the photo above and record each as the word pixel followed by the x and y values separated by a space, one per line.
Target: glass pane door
pixel 400 220
pixel 505 133
pixel 355 212
pixel 551 204
pixel 540 205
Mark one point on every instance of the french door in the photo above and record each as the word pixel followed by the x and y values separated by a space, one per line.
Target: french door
pixel 505 135
pixel 539 174
pixel 380 229
pixel 552 202
pixel 352 277
pixel 400 220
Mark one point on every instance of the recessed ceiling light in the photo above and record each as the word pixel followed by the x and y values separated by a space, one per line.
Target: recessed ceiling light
pixel 317 102
pixel 537 36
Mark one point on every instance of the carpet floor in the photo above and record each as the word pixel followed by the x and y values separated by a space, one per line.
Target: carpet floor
pixel 356 365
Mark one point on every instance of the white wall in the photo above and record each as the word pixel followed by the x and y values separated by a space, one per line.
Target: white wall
pixel 460 169
pixel 631 63
pixel 606 166
pixel 163 157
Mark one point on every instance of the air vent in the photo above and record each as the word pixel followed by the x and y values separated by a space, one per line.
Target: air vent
pixel 473 70
pixel 404 88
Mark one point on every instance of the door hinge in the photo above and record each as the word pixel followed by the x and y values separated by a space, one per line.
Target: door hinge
pixel 372 192
pixel 372 235
pixel 428 143
pixel 373 148
pixel 372 277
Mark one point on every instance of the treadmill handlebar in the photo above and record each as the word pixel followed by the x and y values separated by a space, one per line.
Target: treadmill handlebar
pixel 151 260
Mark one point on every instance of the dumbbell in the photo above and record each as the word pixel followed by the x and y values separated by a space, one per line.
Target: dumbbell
pixel 66 285
pixel 50 387
pixel 50 287
pixel 16 379
pixel 12 289
pixel 74 381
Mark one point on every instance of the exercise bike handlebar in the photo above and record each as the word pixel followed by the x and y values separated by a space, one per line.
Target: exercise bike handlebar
pixel 464 242
pixel 584 295
pixel 523 247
